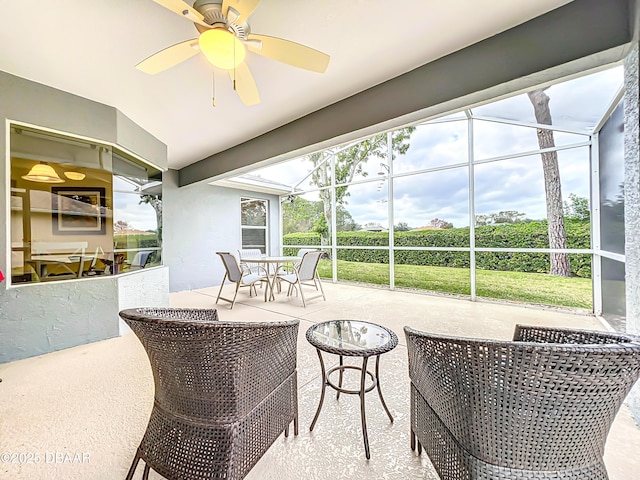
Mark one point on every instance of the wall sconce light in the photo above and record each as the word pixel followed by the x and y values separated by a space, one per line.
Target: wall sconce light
pixel 43 173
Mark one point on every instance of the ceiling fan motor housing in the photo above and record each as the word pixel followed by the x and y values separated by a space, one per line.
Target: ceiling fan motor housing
pixel 211 10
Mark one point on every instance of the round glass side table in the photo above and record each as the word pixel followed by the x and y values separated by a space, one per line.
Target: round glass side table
pixel 352 338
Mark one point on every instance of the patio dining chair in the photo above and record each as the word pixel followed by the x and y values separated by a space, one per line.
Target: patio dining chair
pixel 304 274
pixel 249 253
pixel 288 268
pixel 140 260
pixel 538 407
pixel 224 391
pixel 301 253
pixel 242 278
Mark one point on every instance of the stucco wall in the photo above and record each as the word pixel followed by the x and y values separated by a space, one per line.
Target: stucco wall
pixel 41 318
pixel 632 205
pixel 200 220
pixel 144 288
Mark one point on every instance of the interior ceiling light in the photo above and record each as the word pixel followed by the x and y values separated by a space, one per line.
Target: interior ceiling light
pixel 43 173
pixel 74 175
pixel 222 48
pixel 226 22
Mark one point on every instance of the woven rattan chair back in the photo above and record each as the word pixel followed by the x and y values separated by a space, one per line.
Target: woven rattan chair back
pixel 223 391
pixel 539 407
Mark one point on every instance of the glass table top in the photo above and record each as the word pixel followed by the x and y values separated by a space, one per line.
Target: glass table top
pixel 352 337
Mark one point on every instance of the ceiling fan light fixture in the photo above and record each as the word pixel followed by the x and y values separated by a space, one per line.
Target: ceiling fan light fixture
pixel 222 48
pixel 43 173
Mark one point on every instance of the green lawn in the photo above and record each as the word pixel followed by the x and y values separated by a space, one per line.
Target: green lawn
pixel 513 286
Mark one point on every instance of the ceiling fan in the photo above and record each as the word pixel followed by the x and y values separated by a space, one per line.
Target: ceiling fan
pixel 224 38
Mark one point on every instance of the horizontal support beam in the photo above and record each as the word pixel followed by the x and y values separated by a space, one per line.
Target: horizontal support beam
pixel 595 32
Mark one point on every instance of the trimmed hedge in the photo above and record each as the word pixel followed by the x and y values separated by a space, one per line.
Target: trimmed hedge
pixel 517 235
pixel 135 241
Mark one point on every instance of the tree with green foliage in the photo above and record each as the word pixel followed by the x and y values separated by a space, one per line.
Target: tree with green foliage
pixel 439 223
pixel 577 208
pixel 401 227
pixel 156 202
pixel 302 215
pixel 344 220
pixel 349 163
pixel 500 218
pixel 299 214
pixel 121 226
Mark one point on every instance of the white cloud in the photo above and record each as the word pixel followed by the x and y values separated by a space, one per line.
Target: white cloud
pixel 513 184
pixel 128 209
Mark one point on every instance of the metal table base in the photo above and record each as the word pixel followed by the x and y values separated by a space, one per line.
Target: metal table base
pixel 361 392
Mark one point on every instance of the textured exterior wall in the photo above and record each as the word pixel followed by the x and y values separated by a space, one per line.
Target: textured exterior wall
pixel 200 220
pixel 140 142
pixel 632 205
pixel 41 318
pixel 144 288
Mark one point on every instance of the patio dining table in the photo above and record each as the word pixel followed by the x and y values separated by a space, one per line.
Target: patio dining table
pixel 272 264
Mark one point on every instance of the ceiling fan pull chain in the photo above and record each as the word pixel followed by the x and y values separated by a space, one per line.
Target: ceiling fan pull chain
pixel 213 88
pixel 234 67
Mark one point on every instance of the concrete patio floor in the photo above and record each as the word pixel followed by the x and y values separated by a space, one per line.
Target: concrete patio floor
pixel 82 411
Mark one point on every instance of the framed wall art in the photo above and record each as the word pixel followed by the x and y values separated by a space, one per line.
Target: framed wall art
pixel 78 211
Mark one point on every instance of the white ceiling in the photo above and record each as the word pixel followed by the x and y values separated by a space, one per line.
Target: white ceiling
pixel 90 48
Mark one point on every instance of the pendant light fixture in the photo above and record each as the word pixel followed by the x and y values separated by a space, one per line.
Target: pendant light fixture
pixel 74 175
pixel 43 173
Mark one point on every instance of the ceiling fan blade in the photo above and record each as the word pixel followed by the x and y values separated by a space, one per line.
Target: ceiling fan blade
pixel 184 10
pixel 290 52
pixel 169 57
pixel 244 8
pixel 245 85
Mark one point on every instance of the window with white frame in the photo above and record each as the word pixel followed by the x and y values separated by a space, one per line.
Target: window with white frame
pixel 80 208
pixel 254 223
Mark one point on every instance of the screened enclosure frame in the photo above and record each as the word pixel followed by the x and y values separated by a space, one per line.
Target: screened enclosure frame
pixel 591 138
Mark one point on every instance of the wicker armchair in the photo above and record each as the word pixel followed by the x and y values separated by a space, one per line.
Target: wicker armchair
pixel 539 407
pixel 223 391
